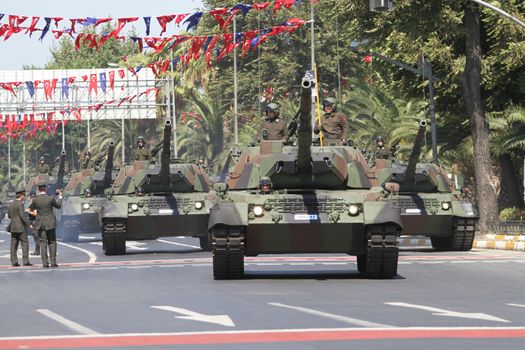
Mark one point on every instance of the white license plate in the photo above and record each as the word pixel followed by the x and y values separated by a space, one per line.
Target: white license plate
pixel 166 211
pixel 413 211
pixel 306 217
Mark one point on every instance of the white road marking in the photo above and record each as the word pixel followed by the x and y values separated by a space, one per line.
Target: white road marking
pixel 442 312
pixel 86 237
pixel 179 244
pixel 68 323
pixel 517 305
pixel 345 319
pixel 92 256
pixel 223 320
pixel 136 245
pixel 2 240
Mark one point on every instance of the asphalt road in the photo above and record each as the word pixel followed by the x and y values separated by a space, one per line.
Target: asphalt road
pixel 162 294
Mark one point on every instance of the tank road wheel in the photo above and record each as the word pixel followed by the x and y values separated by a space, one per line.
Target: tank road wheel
pixel 205 243
pixel 228 252
pixel 382 254
pixel 461 238
pixel 114 237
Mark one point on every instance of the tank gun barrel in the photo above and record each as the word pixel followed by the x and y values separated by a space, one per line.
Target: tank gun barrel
pixel 416 152
pixel 304 133
pixel 61 169
pixel 165 155
pixel 109 164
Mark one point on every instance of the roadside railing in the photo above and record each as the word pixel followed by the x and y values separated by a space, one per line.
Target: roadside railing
pixel 511 227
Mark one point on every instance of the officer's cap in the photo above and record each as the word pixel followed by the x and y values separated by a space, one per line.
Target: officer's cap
pixel 42 185
pixel 21 190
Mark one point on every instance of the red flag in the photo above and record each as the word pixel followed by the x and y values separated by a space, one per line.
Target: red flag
pixel 121 73
pixel 8 87
pixel 36 83
pixel 71 80
pixel 32 27
pixel 218 15
pixel 77 41
pixel 47 89
pixel 93 84
pixel 163 21
pixel 112 79
pixel 121 23
pixel 132 70
pixel 180 17
pixel 57 20
pixel 261 6
pixel 84 77
pixel 103 20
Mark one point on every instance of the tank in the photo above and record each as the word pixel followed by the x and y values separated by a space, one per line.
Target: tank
pixel 53 181
pixel 148 201
pixel 430 204
pixel 289 199
pixel 83 198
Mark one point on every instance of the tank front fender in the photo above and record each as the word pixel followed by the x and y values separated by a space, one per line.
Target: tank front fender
pixel 114 211
pixel 228 214
pixel 381 212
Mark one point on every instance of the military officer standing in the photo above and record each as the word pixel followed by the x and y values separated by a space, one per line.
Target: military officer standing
pixel 272 127
pixel 43 168
pixel 45 223
pixel 18 228
pixel 334 125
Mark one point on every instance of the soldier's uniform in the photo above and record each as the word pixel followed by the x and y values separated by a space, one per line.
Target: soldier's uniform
pixel 45 224
pixel 382 153
pixel 18 227
pixel 276 129
pixel 334 126
pixel 43 168
pixel 87 163
pixel 142 154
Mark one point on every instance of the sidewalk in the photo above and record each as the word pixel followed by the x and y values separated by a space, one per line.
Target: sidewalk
pixel 490 241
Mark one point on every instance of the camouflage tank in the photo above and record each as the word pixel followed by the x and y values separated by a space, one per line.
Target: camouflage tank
pixel 148 201
pixel 83 197
pixel 53 182
pixel 429 203
pixel 302 199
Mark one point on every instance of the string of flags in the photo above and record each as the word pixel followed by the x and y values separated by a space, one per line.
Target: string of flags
pixel 200 45
pixel 27 125
pixel 27 25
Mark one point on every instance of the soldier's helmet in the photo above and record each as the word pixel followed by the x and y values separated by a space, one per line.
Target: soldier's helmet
pixel 273 107
pixel 329 101
pixel 87 154
pixel 42 160
pixel 380 140
pixel 140 191
pixel 87 192
pixel 140 141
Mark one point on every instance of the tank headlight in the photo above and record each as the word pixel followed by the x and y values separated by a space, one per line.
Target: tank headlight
pixel 445 205
pixel 353 209
pixel 199 205
pixel 258 210
pixel 134 207
pixel 85 206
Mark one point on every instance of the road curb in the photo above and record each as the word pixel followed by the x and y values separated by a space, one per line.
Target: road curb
pixel 489 241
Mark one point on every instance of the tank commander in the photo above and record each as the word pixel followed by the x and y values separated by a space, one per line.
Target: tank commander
pixel 144 154
pixel 381 152
pixel 334 125
pixel 272 127
pixel 42 167
pixel 86 162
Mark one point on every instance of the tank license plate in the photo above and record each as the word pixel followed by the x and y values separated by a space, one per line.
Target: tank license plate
pixel 306 217
pixel 166 211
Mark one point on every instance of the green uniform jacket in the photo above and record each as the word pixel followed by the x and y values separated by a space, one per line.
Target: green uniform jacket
pixel 43 169
pixel 276 129
pixel 87 163
pixel 382 153
pixel 142 154
pixel 334 126
pixel 19 222
pixel 44 204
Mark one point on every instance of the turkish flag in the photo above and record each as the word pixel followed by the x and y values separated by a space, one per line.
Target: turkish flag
pixel 47 89
pixel 93 84
pixel 121 73
pixel 111 79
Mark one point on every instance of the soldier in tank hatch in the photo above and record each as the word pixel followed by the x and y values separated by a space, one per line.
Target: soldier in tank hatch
pixel 334 125
pixel 86 162
pixel 381 152
pixel 42 167
pixel 272 127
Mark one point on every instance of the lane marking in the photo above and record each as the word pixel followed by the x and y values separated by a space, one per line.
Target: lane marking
pixel 442 312
pixel 92 256
pixel 517 305
pixel 345 319
pixel 223 320
pixel 261 336
pixel 68 323
pixel 179 244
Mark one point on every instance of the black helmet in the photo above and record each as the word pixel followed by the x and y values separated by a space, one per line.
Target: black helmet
pixel 273 107
pixel 87 192
pixel 140 139
pixel 87 154
pixel 140 191
pixel 42 159
pixel 329 101
pixel 380 138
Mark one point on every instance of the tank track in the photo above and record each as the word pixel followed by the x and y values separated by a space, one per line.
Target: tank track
pixel 114 237
pixel 228 253
pixel 69 230
pixel 205 243
pixel 461 239
pixel 381 258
